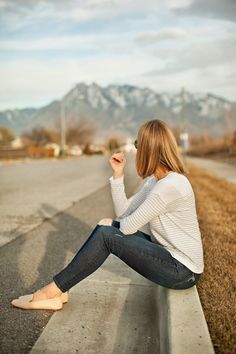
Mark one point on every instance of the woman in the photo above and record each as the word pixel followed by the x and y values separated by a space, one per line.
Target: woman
pixel 157 234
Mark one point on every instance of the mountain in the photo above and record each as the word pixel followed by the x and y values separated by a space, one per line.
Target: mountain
pixel 124 107
pixel 17 118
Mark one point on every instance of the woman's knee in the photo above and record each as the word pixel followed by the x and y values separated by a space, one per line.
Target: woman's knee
pixel 104 229
pixel 101 229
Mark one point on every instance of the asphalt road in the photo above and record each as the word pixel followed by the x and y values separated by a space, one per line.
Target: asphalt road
pixel 31 192
pixel 220 169
pixel 29 261
pixel 48 209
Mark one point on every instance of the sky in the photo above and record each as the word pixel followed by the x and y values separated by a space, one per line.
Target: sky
pixel 46 47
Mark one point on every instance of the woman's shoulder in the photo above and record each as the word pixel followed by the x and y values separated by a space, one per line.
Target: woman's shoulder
pixel 173 186
pixel 181 180
pixel 150 180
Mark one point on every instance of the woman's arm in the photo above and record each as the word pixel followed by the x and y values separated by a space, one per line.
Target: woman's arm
pixel 160 200
pixel 152 206
pixel 120 201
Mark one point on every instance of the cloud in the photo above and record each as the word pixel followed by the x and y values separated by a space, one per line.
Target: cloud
pixel 216 79
pixel 204 66
pixel 222 9
pixel 14 4
pixel 200 55
pixel 20 13
pixel 162 35
pixel 26 16
pixel 81 42
pixel 47 46
pixel 34 83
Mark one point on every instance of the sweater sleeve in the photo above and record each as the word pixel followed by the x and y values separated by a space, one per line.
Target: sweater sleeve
pixel 149 209
pixel 120 200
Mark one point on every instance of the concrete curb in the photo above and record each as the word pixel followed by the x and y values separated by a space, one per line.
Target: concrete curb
pixel 182 324
pixel 112 311
pixel 177 315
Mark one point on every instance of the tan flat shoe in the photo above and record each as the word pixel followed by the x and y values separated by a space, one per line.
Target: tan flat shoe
pixel 48 304
pixel 64 297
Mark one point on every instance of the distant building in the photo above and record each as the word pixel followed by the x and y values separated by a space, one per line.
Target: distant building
pixel 55 147
pixel 184 140
pixel 17 143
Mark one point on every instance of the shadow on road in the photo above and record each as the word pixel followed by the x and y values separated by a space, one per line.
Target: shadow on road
pixel 30 261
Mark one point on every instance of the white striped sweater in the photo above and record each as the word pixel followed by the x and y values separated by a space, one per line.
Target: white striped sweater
pixel 165 209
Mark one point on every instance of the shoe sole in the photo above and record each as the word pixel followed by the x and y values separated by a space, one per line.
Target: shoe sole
pixel 48 304
pixel 64 297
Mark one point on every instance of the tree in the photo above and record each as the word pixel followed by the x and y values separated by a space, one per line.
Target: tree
pixel 80 130
pixel 114 140
pixel 176 131
pixel 40 136
pixel 113 144
pixel 6 136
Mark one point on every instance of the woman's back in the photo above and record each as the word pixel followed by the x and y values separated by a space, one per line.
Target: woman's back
pixel 165 209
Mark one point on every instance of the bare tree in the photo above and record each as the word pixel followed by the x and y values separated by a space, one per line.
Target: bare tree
pixel 114 140
pixel 6 136
pixel 41 136
pixel 80 130
pixel 176 131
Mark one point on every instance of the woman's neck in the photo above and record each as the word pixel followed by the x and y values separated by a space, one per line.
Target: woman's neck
pixel 161 173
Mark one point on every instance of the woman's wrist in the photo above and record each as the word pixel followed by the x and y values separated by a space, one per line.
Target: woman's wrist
pixel 118 174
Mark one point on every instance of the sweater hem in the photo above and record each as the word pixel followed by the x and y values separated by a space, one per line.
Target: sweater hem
pixel 188 264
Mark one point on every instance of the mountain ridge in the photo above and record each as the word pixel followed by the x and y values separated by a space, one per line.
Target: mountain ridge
pixel 125 107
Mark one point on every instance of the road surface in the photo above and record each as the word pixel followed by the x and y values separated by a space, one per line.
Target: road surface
pixel 220 169
pixel 121 297
pixel 31 192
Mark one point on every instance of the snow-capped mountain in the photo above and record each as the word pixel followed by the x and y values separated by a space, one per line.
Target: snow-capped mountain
pixel 125 107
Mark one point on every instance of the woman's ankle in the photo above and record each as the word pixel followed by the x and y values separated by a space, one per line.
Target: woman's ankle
pixel 51 290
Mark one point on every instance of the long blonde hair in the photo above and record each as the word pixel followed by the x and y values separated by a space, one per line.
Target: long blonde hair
pixel 157 147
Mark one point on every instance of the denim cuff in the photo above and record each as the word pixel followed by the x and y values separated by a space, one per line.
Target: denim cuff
pixel 116 223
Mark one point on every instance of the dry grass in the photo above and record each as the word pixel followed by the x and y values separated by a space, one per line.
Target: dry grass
pixel 219 148
pixel 216 207
pixel 208 149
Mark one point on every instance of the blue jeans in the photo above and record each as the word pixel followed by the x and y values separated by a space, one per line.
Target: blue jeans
pixel 137 250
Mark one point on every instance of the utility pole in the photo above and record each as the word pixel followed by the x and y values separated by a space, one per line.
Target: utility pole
pixel 63 128
pixel 183 110
pixel 184 138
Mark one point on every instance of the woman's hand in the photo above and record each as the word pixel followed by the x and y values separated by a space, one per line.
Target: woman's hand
pixel 118 161
pixel 106 221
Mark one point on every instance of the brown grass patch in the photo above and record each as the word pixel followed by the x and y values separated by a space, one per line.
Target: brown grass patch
pixel 216 208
